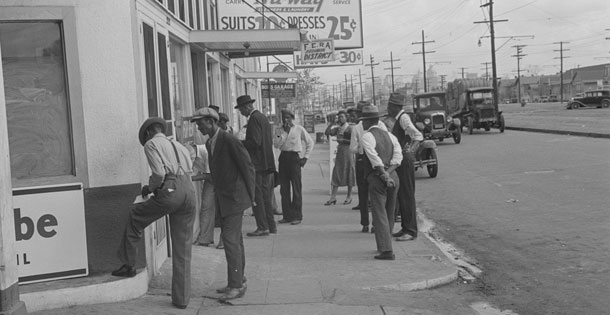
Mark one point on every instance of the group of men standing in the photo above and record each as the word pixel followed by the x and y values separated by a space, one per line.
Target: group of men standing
pixel 385 172
pixel 242 176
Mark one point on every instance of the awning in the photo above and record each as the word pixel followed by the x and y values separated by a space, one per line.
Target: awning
pixel 248 43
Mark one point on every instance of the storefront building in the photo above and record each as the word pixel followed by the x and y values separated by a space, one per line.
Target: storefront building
pixel 79 79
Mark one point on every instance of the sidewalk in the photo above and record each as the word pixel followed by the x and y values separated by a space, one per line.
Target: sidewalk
pixel 304 269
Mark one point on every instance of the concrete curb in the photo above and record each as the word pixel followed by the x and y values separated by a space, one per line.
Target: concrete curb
pixel 106 292
pixel 562 132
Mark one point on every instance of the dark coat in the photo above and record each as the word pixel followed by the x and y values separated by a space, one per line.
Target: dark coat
pixel 232 174
pixel 259 142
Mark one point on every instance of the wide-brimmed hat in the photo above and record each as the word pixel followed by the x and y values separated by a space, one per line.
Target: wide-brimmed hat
pixel 214 107
pixel 396 99
pixel 223 117
pixel 205 112
pixel 287 112
pixel 362 104
pixel 370 112
pixel 147 123
pixel 244 100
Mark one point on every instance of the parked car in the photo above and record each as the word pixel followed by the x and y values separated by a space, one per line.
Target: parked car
pixel 599 99
pixel 553 98
pixel 544 99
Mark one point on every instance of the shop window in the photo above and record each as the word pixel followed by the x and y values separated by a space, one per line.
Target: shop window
pixel 149 64
pixel 181 10
pixel 191 19
pixel 171 6
pixel 198 13
pixel 37 106
pixel 164 77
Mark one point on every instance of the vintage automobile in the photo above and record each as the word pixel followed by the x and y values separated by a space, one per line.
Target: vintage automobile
pixel 553 98
pixel 430 110
pixel 599 99
pixel 471 101
pixel 426 156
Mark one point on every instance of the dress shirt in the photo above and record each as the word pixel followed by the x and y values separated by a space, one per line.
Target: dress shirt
pixel 407 125
pixel 355 146
pixel 202 162
pixel 292 141
pixel 369 143
pixel 162 160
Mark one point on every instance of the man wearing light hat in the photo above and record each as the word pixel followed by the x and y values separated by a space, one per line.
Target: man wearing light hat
pixel 233 177
pixel 174 195
pixel 289 138
pixel 382 156
pixel 356 148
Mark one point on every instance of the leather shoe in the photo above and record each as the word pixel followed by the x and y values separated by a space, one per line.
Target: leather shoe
pixel 399 233
pixel 284 221
pixel 273 231
pixel 233 293
pixel 125 271
pixel 228 288
pixel 365 229
pixel 295 222
pixel 258 233
pixel 387 255
pixel 179 306
pixel 372 229
pixel 406 237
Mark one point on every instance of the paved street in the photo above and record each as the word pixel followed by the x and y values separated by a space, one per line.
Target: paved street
pixel 532 210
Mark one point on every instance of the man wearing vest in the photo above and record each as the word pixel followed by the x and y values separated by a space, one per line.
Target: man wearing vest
pixel 382 156
pixel 174 195
pixel 403 130
pixel 355 147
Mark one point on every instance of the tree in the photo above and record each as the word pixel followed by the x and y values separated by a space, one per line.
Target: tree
pixel 306 85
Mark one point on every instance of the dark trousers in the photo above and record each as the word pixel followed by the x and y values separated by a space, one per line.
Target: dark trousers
pixel 363 190
pixel 383 204
pixel 290 176
pixel 263 211
pixel 232 238
pixel 406 196
pixel 179 204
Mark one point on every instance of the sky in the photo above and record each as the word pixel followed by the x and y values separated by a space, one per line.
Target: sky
pixel 394 25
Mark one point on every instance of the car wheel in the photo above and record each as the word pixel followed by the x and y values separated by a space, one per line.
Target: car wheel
pixel 487 127
pixel 470 125
pixel 432 169
pixel 457 136
pixel 605 103
pixel 501 123
pixel 575 106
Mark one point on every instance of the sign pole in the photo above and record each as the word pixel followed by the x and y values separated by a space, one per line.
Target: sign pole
pixel 9 277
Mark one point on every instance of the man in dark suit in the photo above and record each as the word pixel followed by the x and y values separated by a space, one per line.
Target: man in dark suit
pixel 233 177
pixel 259 144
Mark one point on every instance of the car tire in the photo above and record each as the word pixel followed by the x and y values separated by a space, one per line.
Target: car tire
pixel 575 106
pixel 605 103
pixel 432 169
pixel 457 136
pixel 470 125
pixel 501 123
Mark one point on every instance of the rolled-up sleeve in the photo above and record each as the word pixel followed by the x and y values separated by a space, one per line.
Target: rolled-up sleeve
pixel 308 142
pixel 396 151
pixel 409 128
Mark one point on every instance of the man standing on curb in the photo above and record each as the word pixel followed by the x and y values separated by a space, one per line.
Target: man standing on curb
pixel 356 148
pixel 289 139
pixel 383 156
pixel 232 173
pixel 258 142
pixel 173 195
pixel 404 129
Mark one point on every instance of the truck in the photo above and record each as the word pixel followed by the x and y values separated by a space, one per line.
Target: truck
pixel 472 102
pixel 430 110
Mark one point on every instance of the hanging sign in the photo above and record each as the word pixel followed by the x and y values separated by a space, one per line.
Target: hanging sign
pixel 320 50
pixel 340 20
pixel 350 57
pixel 278 90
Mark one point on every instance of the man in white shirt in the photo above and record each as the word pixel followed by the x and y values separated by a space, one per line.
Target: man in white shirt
pixel 356 148
pixel 289 138
pixel 383 155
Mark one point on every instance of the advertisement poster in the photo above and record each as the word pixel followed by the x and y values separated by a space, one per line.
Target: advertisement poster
pixel 349 57
pixel 50 232
pixel 321 19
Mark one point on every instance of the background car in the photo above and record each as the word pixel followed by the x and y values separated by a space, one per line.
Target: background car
pixel 599 99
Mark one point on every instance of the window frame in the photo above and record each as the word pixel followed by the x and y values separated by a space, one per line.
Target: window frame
pixel 66 15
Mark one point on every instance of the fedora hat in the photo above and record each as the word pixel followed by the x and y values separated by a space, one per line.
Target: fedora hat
pixel 370 112
pixel 205 112
pixel 287 112
pixel 147 123
pixel 396 99
pixel 362 104
pixel 244 100
pixel 223 117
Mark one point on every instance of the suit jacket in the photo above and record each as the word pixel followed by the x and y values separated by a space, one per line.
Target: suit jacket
pixel 232 174
pixel 259 142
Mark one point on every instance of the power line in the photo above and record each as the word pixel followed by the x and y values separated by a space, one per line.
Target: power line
pixel 391 68
pixel 423 53
pixel 561 57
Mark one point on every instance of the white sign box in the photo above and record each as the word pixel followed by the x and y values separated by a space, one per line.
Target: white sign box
pixel 50 232
pixel 350 57
pixel 320 50
pixel 340 20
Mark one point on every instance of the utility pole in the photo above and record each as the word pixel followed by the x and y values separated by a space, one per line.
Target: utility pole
pixel 519 55
pixel 391 68
pixel 561 57
pixel 443 81
pixel 333 105
pixel 351 78
pixel 372 65
pixel 486 69
pixel 493 48
pixel 462 68
pixel 346 91
pixel 423 53
pixel 360 78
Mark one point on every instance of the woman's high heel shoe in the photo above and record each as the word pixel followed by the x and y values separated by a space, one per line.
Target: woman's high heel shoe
pixel 331 202
pixel 347 201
